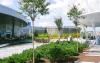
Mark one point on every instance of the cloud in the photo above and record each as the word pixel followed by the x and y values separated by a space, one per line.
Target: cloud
pixel 6 2
pixel 58 8
pixel 61 7
pixel 10 3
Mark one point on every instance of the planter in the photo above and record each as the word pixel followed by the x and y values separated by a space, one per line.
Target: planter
pixel 43 60
pixel 71 59
pixel 42 40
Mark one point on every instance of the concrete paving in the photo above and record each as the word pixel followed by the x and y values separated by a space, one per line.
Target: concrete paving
pixel 83 62
pixel 94 51
pixel 9 50
pixel 91 55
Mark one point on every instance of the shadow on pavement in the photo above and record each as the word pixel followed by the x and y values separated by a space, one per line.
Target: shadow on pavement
pixel 14 42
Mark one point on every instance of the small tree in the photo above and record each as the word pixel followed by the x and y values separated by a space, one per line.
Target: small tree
pixel 33 8
pixel 74 14
pixel 59 25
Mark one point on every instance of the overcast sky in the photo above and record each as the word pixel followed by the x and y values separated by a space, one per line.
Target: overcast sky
pixel 58 8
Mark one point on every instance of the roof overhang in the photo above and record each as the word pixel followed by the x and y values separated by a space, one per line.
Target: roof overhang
pixel 13 13
pixel 91 19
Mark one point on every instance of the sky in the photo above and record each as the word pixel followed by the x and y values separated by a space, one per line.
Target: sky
pixel 58 8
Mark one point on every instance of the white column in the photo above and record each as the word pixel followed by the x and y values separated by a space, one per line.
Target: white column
pixel 86 33
pixel 94 31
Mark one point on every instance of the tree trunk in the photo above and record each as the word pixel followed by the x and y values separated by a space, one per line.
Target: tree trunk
pixel 33 18
pixel 59 36
pixel 77 37
pixel 60 32
pixel 33 41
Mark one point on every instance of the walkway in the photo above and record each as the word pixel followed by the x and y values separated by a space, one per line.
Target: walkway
pixel 91 55
pixel 7 49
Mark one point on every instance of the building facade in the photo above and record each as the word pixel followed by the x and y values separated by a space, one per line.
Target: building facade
pixel 12 23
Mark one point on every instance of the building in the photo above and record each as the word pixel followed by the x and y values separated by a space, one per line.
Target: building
pixel 12 23
pixel 92 20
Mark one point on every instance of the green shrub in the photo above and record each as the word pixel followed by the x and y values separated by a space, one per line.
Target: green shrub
pixel 41 35
pixel 81 47
pixel 56 51
pixel 41 52
pixel 19 58
pixel 54 35
pixel 52 51
pixel 44 35
pixel 35 34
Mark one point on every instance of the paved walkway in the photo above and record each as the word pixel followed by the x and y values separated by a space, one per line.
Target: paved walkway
pixel 91 55
pixel 94 51
pixel 6 50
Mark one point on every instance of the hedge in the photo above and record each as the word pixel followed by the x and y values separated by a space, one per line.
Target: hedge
pixel 52 51
pixel 56 35
pixel 58 51
pixel 23 57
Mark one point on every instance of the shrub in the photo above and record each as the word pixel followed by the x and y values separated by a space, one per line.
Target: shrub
pixel 57 51
pixel 41 52
pixel 41 35
pixel 19 58
pixel 54 35
pixel 81 47
pixel 52 51
pixel 35 34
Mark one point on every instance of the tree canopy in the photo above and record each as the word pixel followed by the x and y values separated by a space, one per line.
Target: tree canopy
pixel 34 7
pixel 74 14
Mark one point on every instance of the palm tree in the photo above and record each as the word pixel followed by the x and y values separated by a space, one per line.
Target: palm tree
pixel 74 14
pixel 59 25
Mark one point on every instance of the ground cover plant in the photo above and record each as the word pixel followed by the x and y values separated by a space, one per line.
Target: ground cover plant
pixel 55 35
pixel 52 51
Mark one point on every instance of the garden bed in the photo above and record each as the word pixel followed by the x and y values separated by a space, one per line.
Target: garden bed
pixel 58 52
pixel 42 40
pixel 61 52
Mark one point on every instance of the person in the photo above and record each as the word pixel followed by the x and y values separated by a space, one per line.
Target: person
pixel 70 38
